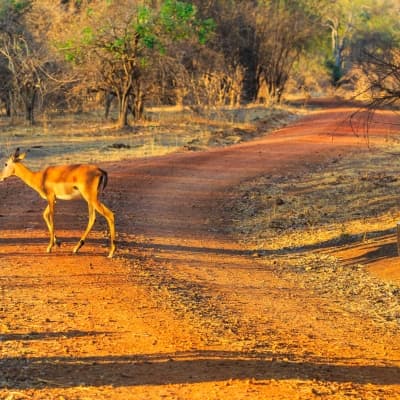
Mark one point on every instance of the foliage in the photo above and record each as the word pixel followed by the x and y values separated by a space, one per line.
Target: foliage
pixel 203 54
pixel 284 31
pixel 348 21
pixel 20 59
pixel 13 6
pixel 124 40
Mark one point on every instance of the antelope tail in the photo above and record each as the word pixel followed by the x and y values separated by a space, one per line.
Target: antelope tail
pixel 103 179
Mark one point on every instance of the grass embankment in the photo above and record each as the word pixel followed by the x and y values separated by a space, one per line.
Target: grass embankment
pixel 295 224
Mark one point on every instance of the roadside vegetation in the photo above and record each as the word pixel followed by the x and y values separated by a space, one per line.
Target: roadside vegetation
pixel 87 138
pixel 297 227
pixel 122 58
pixel 344 200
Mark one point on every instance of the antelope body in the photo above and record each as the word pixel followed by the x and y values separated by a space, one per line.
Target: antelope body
pixel 65 182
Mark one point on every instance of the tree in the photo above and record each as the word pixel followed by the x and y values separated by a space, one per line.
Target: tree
pixel 381 66
pixel 263 39
pixel 348 21
pixel 24 54
pixel 341 20
pixel 283 30
pixel 120 41
pixel 376 53
pixel 12 49
pixel 5 86
pixel 233 50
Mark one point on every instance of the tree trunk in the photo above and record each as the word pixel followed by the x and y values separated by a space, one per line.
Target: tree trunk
pixel 30 97
pixel 337 50
pixel 123 113
pixel 6 99
pixel 8 107
pixel 109 97
pixel 138 106
pixel 123 110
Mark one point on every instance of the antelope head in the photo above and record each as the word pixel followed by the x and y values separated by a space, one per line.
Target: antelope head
pixel 9 166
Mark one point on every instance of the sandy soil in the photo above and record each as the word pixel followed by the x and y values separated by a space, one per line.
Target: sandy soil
pixel 184 311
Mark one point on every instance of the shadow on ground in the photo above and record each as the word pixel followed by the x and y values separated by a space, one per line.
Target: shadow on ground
pixel 181 368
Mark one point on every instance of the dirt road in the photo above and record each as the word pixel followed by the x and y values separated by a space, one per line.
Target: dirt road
pixel 183 311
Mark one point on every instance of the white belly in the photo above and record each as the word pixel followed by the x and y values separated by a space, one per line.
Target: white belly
pixel 66 191
pixel 72 196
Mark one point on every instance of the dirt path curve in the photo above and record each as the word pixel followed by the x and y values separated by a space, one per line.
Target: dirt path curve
pixel 183 311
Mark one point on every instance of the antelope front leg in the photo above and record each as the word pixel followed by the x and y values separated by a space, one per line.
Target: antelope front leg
pixel 48 218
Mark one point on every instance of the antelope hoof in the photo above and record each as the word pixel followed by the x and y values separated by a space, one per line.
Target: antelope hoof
pixel 78 246
pixel 112 251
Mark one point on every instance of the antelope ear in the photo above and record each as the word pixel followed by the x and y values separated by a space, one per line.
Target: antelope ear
pixel 17 156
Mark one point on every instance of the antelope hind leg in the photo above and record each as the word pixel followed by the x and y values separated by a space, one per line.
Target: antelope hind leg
pixel 109 216
pixel 92 219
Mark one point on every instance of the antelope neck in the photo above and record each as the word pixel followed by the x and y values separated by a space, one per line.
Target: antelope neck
pixel 31 178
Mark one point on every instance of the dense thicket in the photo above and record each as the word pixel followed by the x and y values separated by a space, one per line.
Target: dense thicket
pixel 70 55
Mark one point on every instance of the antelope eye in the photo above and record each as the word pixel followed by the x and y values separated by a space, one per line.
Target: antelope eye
pixel 5 164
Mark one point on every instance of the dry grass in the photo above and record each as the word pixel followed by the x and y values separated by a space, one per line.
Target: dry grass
pixel 350 198
pixel 293 224
pixel 86 138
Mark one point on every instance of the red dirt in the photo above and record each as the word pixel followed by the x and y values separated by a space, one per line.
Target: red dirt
pixel 183 311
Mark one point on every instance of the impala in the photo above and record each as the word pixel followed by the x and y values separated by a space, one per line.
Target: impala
pixel 65 182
